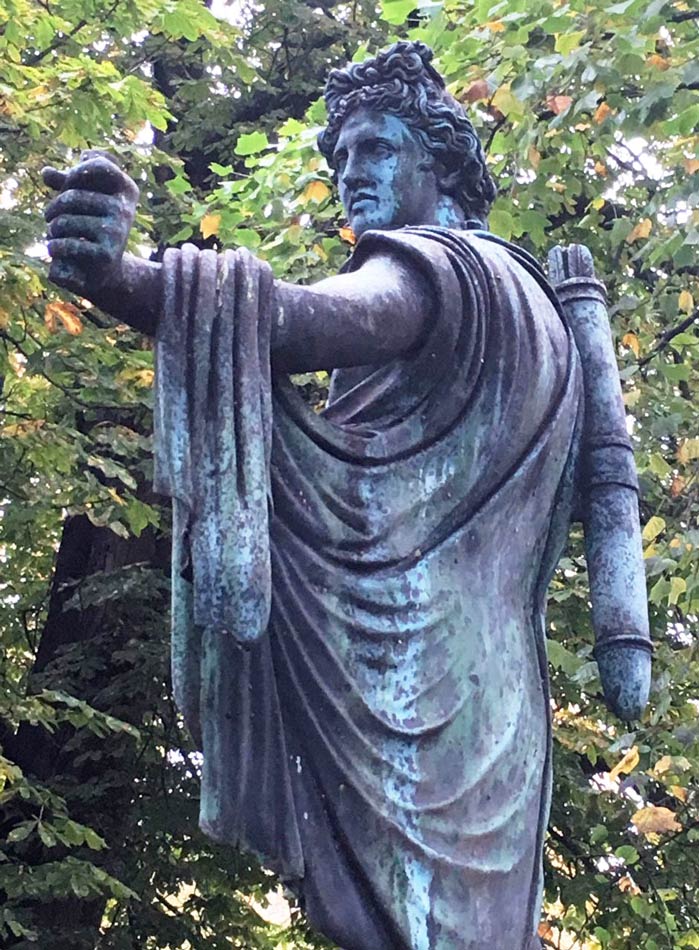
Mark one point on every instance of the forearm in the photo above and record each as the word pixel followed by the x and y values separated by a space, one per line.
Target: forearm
pixel 133 294
pixel 372 315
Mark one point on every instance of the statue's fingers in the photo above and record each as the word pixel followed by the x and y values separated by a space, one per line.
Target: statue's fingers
pixel 75 201
pixel 78 249
pixel 103 175
pixel 90 227
pixel 54 178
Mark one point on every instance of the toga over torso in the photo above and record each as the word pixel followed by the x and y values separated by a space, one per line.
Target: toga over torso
pixel 358 596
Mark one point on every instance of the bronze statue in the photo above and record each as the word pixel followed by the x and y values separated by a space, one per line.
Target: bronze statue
pixel 359 596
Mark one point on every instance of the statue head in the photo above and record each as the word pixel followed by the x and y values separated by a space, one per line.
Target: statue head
pixel 401 146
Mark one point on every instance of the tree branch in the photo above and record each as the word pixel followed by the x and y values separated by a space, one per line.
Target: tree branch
pixel 684 15
pixel 665 338
pixel 55 43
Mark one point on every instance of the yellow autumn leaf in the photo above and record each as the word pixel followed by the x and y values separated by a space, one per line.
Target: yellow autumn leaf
pixel 678 586
pixel 653 527
pixel 534 156
pixel 655 819
pixel 688 451
pixel 627 885
pixel 685 301
pixel 316 190
pixel 60 311
pixel 691 165
pixel 347 234
pixel 506 102
pixel 495 26
pixel 602 112
pixel 678 763
pixel 631 340
pixel 601 169
pixel 642 230
pixel 22 428
pixel 209 225
pixel 627 764
pixel 144 378
pixel 116 496
pixel 679 792
pixel 18 362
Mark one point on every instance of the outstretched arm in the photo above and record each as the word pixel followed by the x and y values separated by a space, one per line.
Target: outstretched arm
pixel 371 315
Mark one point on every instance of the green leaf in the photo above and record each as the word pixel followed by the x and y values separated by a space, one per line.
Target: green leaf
pixel 627 853
pixel 501 223
pixel 251 143
pixel 396 12
pixel 653 527
pixel 561 658
pixel 22 831
pixel 567 42
pixel 178 185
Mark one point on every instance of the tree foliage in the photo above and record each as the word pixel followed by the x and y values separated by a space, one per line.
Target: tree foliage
pixel 589 112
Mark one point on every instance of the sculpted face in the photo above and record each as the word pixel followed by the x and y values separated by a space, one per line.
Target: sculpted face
pixel 385 175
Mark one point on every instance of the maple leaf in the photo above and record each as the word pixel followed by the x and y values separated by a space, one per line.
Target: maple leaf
pixel 316 191
pixel 655 819
pixel 641 231
pixel 476 91
pixel 559 104
pixel 631 340
pixel 627 885
pixel 627 764
pixel 658 61
pixel 602 112
pixel 60 311
pixel 685 301
pixel 209 225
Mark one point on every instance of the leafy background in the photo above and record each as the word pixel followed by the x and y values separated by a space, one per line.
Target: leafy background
pixel 589 113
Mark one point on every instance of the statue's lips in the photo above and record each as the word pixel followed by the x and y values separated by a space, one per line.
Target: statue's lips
pixel 362 200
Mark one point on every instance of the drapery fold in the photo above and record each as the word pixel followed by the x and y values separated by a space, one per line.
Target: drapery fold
pixel 363 664
pixel 213 424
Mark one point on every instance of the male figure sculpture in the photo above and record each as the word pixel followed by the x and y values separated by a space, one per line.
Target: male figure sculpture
pixel 358 596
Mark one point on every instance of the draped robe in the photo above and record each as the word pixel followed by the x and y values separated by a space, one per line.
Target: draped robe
pixel 358 595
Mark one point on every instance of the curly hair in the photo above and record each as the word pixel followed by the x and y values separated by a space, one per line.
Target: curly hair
pixel 402 81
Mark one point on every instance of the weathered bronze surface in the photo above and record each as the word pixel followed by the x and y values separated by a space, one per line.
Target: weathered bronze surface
pixel 358 597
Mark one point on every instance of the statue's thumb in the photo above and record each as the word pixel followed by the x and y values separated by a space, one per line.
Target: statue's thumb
pixel 53 178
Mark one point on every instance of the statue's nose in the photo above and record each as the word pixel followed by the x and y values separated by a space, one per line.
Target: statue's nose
pixel 354 174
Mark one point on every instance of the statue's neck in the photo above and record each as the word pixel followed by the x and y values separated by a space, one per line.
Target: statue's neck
pixel 448 213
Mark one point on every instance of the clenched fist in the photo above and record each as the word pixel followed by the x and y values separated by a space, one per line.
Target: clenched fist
pixel 89 223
